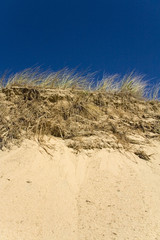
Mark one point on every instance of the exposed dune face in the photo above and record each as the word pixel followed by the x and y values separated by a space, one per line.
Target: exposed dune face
pixel 87 119
pixel 78 165
pixel 52 192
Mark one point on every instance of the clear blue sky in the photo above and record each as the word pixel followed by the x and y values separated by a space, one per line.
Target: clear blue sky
pixel 115 36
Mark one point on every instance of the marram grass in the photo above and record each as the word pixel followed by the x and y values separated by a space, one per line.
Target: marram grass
pixel 131 83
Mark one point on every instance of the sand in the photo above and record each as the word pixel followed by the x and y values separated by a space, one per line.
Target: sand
pixel 53 193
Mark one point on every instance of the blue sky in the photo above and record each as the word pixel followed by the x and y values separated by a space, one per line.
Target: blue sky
pixel 112 36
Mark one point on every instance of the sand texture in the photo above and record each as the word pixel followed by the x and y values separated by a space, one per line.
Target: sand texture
pixel 51 192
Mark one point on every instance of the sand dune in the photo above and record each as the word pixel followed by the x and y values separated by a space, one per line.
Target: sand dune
pixel 50 192
pixel 77 164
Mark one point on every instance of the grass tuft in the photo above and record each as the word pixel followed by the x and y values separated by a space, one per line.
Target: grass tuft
pixel 107 83
pixel 155 92
pixel 134 84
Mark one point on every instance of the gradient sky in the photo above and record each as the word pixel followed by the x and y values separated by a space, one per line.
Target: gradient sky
pixel 114 36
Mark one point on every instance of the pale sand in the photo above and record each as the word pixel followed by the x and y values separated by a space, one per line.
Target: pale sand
pixel 96 194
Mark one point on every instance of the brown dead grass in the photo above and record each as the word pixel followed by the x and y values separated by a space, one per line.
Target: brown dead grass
pixel 84 119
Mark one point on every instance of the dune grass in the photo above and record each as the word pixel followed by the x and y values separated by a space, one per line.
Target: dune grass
pixel 73 105
pixel 130 83
pixel 34 77
pixel 134 84
pixel 155 92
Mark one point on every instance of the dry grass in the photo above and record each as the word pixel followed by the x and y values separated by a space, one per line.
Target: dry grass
pixel 34 77
pixel 107 83
pixel 131 83
pixel 68 105
pixel 154 94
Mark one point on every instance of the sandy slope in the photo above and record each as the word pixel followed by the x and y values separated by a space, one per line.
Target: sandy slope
pixel 96 194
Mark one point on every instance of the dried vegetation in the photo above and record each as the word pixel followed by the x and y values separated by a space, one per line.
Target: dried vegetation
pixel 66 105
